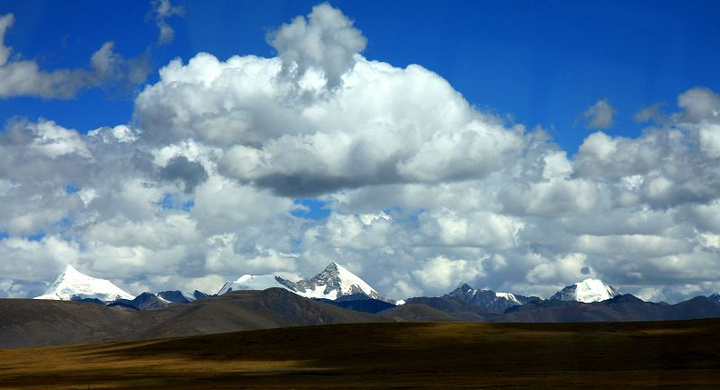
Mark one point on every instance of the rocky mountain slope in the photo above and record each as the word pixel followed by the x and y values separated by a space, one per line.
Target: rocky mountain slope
pixel 487 298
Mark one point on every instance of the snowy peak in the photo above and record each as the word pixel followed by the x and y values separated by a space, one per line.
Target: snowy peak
pixel 464 290
pixel 332 283
pixel 587 291
pixel 252 282
pixel 715 297
pixel 485 298
pixel 74 285
pixel 510 297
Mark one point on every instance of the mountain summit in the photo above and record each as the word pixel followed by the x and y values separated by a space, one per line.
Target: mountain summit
pixel 74 285
pixel 487 298
pixel 251 282
pixel 715 297
pixel 587 291
pixel 332 283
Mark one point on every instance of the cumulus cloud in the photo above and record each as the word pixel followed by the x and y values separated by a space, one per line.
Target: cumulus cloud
pixel 572 266
pixel 358 138
pixel 324 45
pixel 603 155
pixel 479 229
pixel 441 274
pixel 699 104
pixel 599 115
pixel 25 77
pixel 423 190
pixel 191 173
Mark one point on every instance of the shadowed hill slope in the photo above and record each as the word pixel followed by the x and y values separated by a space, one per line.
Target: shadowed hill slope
pixel 31 323
pixel 619 308
pixel 245 310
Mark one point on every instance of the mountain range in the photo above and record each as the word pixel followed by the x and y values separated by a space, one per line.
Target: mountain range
pixel 33 323
pixel 79 308
pixel 488 298
pixel 335 285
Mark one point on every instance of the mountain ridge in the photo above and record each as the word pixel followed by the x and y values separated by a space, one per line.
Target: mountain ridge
pixel 335 282
pixel 487 298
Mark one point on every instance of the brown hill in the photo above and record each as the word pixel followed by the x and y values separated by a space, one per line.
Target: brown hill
pixel 33 323
pixel 30 323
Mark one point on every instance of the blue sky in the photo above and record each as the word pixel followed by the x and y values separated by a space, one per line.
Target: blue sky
pixel 494 143
pixel 543 63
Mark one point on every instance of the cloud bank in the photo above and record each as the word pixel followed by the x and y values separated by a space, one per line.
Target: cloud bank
pixel 425 190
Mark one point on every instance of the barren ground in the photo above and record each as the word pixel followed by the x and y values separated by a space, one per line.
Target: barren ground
pixel 682 355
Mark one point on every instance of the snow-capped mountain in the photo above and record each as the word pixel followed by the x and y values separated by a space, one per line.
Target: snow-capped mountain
pixel 587 291
pixel 252 282
pixel 486 298
pixel 715 297
pixel 332 283
pixel 74 285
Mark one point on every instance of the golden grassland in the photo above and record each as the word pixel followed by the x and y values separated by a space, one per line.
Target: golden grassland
pixel 682 355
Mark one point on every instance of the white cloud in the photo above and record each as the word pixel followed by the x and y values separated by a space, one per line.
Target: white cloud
pixel 325 42
pixel 603 155
pixel 631 245
pixel 163 10
pixel 439 275
pixel 108 69
pixel 650 113
pixel 556 197
pixel 35 261
pixel 5 23
pixel 478 229
pixel 599 115
pixel 710 140
pixel 699 104
pixel 572 266
pixel 424 191
pixel 322 146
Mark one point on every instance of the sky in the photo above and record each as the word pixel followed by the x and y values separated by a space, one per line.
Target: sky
pixel 517 146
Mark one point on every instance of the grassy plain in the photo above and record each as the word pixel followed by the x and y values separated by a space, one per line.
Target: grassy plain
pixel 681 355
